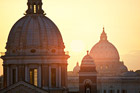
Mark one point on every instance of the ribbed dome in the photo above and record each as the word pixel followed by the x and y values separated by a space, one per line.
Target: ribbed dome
pixel 104 50
pixel 87 60
pixel 87 64
pixel 34 33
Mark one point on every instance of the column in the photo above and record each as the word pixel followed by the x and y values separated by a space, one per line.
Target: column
pixel 26 73
pixel 39 76
pixel 49 76
pixel 16 74
pixel 45 76
pixel 8 75
pixel 59 76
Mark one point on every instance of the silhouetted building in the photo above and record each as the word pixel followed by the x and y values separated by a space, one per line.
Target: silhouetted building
pixel 35 60
pixel 87 75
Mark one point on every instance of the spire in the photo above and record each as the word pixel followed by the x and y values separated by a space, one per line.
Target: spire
pixel 77 64
pixel 103 29
pixel 87 52
pixel 103 36
pixel 34 7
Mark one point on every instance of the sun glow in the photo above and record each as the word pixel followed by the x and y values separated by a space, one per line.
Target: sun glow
pixel 77 45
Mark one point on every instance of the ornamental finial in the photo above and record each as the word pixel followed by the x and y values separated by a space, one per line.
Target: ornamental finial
pixel 103 29
pixel 87 52
pixel 77 63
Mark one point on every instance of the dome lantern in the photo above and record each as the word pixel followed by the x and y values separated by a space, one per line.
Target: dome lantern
pixel 34 7
pixel 103 36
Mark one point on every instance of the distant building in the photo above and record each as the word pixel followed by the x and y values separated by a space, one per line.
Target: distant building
pixel 112 75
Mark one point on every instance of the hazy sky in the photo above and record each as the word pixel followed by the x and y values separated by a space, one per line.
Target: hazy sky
pixel 81 21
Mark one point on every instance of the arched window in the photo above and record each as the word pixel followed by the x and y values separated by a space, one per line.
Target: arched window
pixel 118 91
pixel 38 7
pixel 101 67
pixel 13 76
pixel 30 6
pixel 104 91
pixel 106 67
pixel 87 88
pixel 111 91
pixel 124 91
pixel 33 76
pixel 53 77
pixel 34 8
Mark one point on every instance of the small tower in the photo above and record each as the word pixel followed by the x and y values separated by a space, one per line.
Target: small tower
pixel 87 75
pixel 103 36
pixel 34 7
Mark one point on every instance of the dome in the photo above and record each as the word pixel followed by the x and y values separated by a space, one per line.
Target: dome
pixel 87 60
pixel 87 64
pixel 104 50
pixel 34 34
pixel 76 68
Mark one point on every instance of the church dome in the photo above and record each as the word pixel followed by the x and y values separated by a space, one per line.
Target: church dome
pixel 87 64
pixel 87 60
pixel 34 34
pixel 76 68
pixel 104 50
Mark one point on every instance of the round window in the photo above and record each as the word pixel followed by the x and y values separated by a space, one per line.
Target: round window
pixel 13 51
pixel 53 51
pixel 33 50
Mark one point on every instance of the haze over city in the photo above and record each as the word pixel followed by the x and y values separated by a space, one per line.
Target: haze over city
pixel 80 23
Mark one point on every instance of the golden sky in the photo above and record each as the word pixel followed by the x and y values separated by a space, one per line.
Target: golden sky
pixel 81 21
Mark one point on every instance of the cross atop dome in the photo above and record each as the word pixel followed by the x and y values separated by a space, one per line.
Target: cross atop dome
pixel 34 7
pixel 103 29
pixel 103 36
pixel 87 52
pixel 77 64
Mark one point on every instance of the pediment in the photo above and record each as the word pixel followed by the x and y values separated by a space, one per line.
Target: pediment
pixel 22 87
